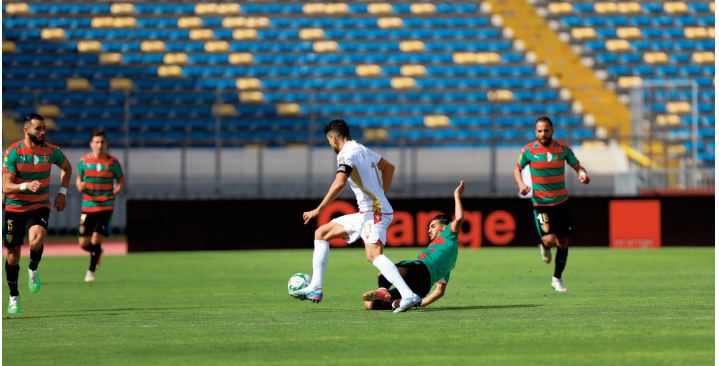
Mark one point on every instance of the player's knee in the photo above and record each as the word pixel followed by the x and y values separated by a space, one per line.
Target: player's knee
pixel 550 241
pixel 321 233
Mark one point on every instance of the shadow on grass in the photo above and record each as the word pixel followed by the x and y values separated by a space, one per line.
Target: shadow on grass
pixel 102 312
pixel 481 307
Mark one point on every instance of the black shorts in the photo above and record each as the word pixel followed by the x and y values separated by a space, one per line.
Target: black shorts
pixel 417 278
pixel 555 220
pixel 94 222
pixel 18 223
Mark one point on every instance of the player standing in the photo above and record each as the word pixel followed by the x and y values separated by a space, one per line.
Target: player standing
pixel 96 175
pixel 26 189
pixel 546 158
pixel 370 177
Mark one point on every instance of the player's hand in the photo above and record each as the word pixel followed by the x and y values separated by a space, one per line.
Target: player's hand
pixel 583 177
pixel 460 189
pixel 309 215
pixel 33 186
pixel 60 202
pixel 524 189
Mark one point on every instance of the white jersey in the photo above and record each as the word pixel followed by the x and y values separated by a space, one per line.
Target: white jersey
pixel 365 178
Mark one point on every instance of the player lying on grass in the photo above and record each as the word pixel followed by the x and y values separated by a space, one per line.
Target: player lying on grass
pixel 432 266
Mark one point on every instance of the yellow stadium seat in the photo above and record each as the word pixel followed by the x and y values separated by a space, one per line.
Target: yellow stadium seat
pixel 698 32
pixel 325 46
pixel 403 83
pixel 711 6
pixel 89 46
pixel 202 34
pixel 52 34
pixel 464 58
pixel 629 81
pixel 48 110
pixel 629 7
pixel 679 107
pixel 312 33
pixel 703 57
pixel 606 7
pixel 175 58
pixel 189 22
pixel 675 7
pixel 337 8
pixel 375 134
pixel 17 8
pixel 668 119
pixel 217 46
pixel 379 8
pixel 224 110
pixel 122 8
pixel 215 8
pixel 313 8
pixel 152 46
pixel 434 121
pixel 560 8
pixel 413 70
pixel 242 34
pixel 77 84
pixel 110 58
pixel 114 22
pixel 248 83
pixel 423 8
pixel 50 123
pixel 288 109
pixel 102 22
pixel 500 95
pixel 8 46
pixel 656 57
pixel 411 46
pixel 476 57
pixel 241 58
pixel 121 84
pixel 368 70
pixel 617 45
pixel 252 97
pixel 629 32
pixel 391 22
pixel 169 71
pixel 584 33
pixel 246 22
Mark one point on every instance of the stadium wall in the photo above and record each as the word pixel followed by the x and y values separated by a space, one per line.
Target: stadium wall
pixel 168 225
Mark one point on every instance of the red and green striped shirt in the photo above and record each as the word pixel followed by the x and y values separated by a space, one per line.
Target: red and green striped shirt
pixel 28 165
pixel 98 176
pixel 546 166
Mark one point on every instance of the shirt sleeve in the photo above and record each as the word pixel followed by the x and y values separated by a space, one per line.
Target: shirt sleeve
pixel 444 279
pixel 9 163
pixel 522 159
pixel 571 158
pixel 57 157
pixel 117 169
pixel 81 168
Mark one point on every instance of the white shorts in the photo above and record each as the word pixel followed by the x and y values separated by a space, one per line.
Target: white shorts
pixel 364 225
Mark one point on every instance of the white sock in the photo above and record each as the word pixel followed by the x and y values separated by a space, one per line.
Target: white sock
pixel 390 272
pixel 320 257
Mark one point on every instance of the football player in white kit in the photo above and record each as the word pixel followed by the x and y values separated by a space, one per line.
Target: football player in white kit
pixel 370 177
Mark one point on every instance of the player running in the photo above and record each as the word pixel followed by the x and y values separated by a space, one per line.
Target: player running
pixel 26 201
pixel 546 158
pixel 370 177
pixel 433 265
pixel 96 175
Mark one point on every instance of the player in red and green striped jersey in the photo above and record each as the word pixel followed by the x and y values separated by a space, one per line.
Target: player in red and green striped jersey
pixel 97 172
pixel 546 158
pixel 26 201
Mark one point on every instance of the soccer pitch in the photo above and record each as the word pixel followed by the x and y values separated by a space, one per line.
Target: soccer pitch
pixel 624 307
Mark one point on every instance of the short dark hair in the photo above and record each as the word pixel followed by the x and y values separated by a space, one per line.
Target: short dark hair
pixel 442 219
pixel 97 133
pixel 338 127
pixel 544 119
pixel 29 117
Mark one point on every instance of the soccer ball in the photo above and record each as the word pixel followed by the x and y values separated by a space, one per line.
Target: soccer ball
pixel 297 282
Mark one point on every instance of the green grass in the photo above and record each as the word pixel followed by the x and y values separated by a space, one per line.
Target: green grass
pixel 624 307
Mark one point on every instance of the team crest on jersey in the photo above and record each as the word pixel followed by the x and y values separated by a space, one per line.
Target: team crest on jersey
pixel 40 159
pixel 549 156
pixel 98 167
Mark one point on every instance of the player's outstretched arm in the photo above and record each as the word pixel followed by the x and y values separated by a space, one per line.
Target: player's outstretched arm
pixel 65 176
pixel 435 295
pixel 458 209
pixel 582 174
pixel 335 189
pixel 523 188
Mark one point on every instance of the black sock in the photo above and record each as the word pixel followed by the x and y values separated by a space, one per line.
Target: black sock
pixel 12 273
pixel 383 282
pixel 560 261
pixel 88 248
pixel 35 257
pixel 95 256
